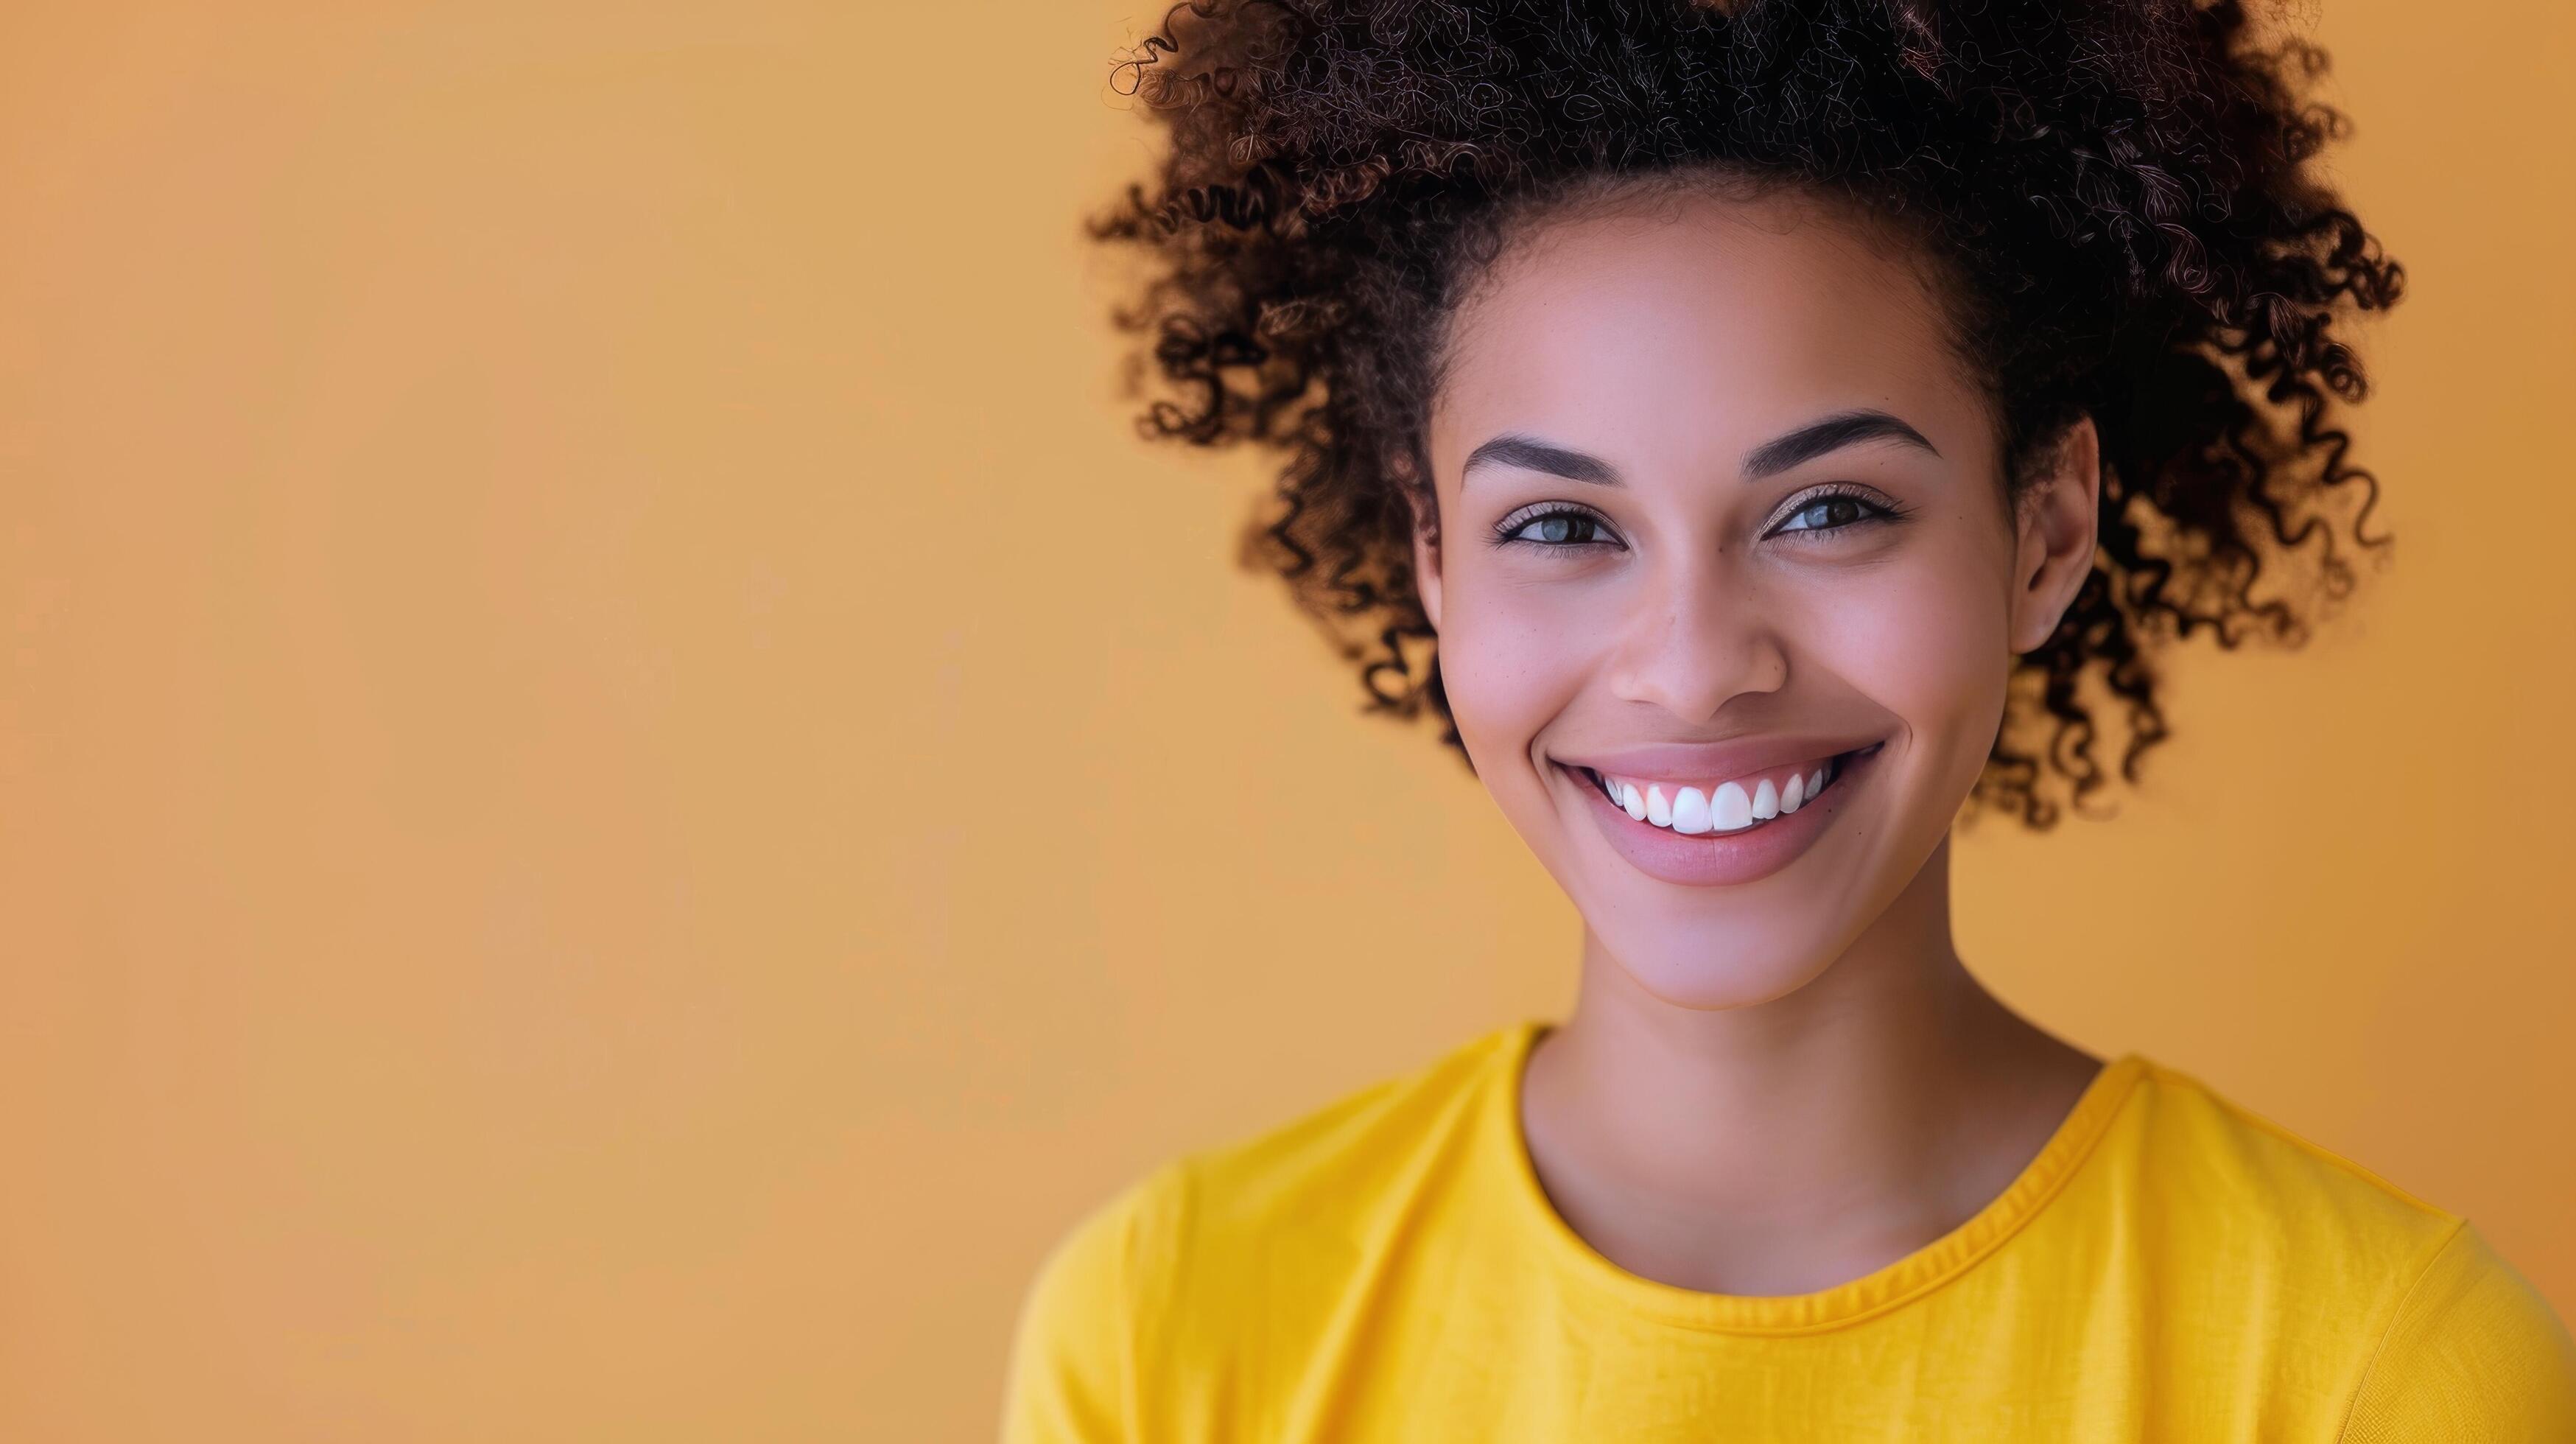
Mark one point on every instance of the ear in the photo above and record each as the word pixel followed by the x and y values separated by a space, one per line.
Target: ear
pixel 1426 550
pixel 2056 529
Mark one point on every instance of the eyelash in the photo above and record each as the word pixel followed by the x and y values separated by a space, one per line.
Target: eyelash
pixel 1505 532
pixel 1872 509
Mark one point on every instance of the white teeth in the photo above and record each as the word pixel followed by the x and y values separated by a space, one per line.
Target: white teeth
pixel 1690 811
pixel 1726 808
pixel 1730 809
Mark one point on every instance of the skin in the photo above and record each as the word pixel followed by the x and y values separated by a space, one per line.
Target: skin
pixel 1778 1085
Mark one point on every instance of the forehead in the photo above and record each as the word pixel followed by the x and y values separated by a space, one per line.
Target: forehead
pixel 1693 326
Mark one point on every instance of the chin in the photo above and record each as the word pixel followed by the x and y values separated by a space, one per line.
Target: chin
pixel 1708 966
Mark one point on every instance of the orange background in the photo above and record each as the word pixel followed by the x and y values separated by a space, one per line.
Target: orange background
pixel 622 789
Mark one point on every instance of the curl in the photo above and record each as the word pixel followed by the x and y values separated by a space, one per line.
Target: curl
pixel 2124 193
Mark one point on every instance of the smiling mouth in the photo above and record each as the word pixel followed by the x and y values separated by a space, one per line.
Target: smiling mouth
pixel 1736 805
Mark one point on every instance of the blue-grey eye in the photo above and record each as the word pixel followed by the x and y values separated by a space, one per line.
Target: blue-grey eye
pixel 1558 528
pixel 1826 513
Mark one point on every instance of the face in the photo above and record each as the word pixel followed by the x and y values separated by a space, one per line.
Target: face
pixel 1720 518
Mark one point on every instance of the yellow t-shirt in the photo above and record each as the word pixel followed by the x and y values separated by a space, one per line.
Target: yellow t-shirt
pixel 1387 1267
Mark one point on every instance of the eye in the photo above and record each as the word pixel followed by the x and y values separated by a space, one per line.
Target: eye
pixel 1833 511
pixel 1554 527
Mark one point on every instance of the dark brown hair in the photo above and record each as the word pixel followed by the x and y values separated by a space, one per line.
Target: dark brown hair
pixel 2121 190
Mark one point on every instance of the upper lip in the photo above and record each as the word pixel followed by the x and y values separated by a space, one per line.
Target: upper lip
pixel 1688 762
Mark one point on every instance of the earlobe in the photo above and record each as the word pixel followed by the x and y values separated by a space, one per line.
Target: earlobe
pixel 2058 527
pixel 1409 475
pixel 1426 564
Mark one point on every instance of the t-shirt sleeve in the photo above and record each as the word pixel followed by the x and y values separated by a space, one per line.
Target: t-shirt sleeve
pixel 2474 1353
pixel 1072 1376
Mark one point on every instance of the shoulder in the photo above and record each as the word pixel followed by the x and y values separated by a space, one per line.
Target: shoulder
pixel 2449 1340
pixel 2473 1353
pixel 1331 1161
pixel 1209 1225
pixel 1071 1373
pixel 2208 1160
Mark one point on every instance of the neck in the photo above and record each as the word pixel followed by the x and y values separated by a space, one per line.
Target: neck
pixel 1793 1144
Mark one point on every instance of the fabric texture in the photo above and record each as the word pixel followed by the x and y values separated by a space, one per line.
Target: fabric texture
pixel 1387 1267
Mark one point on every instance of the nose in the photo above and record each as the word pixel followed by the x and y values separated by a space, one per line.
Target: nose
pixel 1696 639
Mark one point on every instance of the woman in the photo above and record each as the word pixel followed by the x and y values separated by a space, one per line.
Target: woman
pixel 1791 421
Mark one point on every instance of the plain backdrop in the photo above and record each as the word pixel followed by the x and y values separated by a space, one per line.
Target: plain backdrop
pixel 622 788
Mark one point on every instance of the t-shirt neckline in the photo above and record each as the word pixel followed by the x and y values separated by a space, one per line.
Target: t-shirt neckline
pixel 1879 1291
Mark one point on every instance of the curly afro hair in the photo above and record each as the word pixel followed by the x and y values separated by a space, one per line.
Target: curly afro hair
pixel 2120 191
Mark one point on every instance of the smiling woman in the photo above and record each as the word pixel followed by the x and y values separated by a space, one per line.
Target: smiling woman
pixel 1789 422
pixel 1788 551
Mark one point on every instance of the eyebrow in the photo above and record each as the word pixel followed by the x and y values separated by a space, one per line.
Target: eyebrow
pixel 1831 433
pixel 1510 449
pixel 1795 448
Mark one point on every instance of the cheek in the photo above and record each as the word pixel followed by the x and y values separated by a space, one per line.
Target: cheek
pixel 1927 639
pixel 1511 659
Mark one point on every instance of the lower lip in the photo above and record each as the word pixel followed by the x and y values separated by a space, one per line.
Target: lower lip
pixel 1717 859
